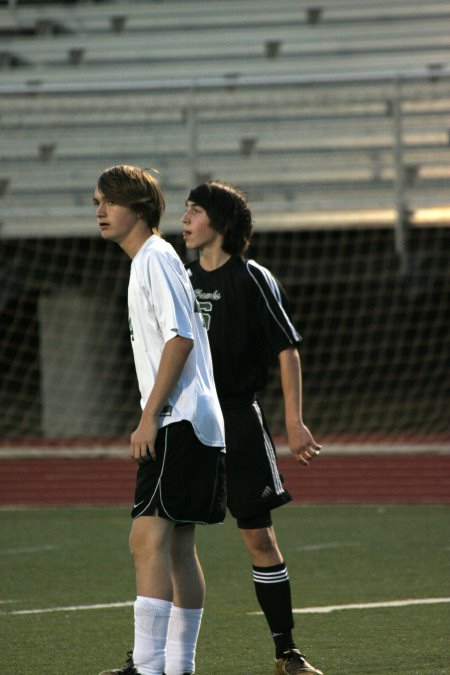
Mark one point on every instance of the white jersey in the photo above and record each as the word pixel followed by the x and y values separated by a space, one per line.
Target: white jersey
pixel 161 305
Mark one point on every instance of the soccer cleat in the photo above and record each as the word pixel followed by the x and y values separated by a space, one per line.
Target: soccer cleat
pixel 127 669
pixel 292 662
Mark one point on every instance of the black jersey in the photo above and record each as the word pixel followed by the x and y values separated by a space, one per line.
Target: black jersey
pixel 248 324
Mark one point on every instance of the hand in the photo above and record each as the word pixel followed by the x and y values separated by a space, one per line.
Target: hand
pixel 302 444
pixel 142 440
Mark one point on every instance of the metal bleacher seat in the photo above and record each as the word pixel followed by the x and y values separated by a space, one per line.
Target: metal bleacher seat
pixel 136 70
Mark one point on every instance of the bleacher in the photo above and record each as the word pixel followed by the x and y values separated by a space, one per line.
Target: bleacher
pixel 294 102
pixel 334 117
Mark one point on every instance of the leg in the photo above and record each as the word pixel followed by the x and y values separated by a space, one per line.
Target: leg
pixel 188 597
pixel 150 548
pixel 262 546
pixel 274 593
pixel 271 581
pixel 187 574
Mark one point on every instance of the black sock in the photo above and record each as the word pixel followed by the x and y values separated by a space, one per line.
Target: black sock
pixel 273 591
pixel 283 642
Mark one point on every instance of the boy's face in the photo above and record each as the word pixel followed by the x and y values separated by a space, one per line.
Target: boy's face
pixel 115 221
pixel 197 230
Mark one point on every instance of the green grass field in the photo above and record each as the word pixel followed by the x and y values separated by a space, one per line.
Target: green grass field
pixel 337 555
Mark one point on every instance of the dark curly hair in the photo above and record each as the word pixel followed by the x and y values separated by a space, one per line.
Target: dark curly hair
pixel 228 211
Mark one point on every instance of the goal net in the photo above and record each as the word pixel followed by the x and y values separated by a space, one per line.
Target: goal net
pixel 350 196
pixel 375 350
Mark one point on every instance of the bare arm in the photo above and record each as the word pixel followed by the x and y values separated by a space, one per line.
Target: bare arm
pixel 300 440
pixel 173 359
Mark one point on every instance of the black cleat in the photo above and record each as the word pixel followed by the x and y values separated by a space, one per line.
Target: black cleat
pixel 294 663
pixel 127 669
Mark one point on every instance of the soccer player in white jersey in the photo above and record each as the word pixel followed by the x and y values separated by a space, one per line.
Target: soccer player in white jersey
pixel 249 327
pixel 179 442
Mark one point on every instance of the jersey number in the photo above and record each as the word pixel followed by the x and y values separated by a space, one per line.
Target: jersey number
pixel 206 309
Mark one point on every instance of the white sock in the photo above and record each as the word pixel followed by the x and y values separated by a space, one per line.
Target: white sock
pixel 184 628
pixel 151 623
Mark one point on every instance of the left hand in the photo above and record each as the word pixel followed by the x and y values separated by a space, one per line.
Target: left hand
pixel 142 440
pixel 301 443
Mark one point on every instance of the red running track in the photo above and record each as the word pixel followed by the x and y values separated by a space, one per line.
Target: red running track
pixel 420 478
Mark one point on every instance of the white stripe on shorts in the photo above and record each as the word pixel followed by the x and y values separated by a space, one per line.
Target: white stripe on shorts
pixel 158 485
pixel 270 452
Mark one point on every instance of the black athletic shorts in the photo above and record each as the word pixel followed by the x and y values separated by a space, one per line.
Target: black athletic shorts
pixel 254 485
pixel 186 482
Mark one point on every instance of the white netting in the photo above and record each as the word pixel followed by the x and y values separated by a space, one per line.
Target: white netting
pixel 376 349
pixel 347 173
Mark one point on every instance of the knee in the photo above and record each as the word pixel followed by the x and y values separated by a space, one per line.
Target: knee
pixel 133 544
pixel 138 544
pixel 183 550
pixel 260 541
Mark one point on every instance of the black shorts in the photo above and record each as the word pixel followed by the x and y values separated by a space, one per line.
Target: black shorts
pixel 186 482
pixel 254 485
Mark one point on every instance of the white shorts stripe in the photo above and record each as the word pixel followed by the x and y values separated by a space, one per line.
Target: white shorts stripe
pixel 270 452
pixel 158 485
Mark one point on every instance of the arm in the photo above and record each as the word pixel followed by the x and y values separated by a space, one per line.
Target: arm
pixel 300 440
pixel 173 359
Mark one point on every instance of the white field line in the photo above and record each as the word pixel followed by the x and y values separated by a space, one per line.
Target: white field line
pixel 29 549
pixel 73 608
pixel 61 452
pixel 368 448
pixel 98 451
pixel 327 545
pixel 368 605
pixel 304 610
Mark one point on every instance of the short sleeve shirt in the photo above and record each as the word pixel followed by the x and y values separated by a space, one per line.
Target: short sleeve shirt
pixel 248 324
pixel 162 305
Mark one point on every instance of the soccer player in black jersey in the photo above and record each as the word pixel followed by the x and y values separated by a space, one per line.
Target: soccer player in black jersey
pixel 244 308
